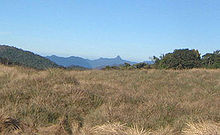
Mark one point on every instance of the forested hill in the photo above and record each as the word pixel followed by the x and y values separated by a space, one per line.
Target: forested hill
pixel 24 58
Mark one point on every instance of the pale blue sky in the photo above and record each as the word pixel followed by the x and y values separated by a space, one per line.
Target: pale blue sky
pixel 133 29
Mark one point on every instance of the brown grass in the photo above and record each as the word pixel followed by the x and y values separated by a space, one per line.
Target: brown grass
pixel 138 102
pixel 202 128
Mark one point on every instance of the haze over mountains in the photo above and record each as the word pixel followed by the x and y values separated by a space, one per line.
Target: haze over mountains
pixel 78 61
pixel 10 54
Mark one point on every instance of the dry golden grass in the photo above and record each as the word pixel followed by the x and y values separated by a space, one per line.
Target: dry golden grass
pixel 138 102
pixel 202 128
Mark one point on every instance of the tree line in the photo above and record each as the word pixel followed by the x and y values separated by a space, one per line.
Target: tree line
pixel 178 59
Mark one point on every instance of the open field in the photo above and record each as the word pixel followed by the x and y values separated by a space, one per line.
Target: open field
pixel 136 102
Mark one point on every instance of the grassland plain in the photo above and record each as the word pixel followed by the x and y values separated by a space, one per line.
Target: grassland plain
pixel 96 102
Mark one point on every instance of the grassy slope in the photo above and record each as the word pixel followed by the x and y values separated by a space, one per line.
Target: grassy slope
pixel 161 101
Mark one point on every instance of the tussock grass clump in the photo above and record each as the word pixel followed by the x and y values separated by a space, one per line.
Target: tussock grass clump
pixel 110 129
pixel 10 125
pixel 122 129
pixel 202 128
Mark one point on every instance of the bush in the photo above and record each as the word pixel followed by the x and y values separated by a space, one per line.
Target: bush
pixel 211 60
pixel 179 59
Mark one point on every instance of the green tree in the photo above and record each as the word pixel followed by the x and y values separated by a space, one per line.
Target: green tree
pixel 127 64
pixel 211 60
pixel 179 59
pixel 140 65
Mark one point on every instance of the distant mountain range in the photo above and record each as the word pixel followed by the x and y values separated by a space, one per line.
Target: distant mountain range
pixel 92 64
pixel 15 56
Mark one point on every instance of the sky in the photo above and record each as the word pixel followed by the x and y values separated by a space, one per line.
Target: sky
pixel 134 29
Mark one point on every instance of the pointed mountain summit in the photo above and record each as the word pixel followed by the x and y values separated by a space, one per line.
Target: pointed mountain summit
pixel 118 58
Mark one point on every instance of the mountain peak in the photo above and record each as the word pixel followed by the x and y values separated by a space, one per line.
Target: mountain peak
pixel 118 57
pixel 53 56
